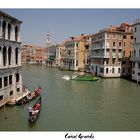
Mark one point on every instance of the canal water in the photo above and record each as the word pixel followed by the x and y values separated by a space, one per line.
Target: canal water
pixel 105 105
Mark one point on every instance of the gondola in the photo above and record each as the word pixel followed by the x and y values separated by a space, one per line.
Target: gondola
pixel 34 110
pixel 29 97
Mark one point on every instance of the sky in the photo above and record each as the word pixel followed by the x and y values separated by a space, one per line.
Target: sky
pixel 63 23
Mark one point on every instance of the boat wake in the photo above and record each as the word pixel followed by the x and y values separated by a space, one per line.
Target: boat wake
pixel 66 77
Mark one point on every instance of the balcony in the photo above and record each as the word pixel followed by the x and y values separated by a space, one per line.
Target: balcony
pixel 106 55
pixel 135 59
pixel 120 47
pixel 95 47
pixel 114 47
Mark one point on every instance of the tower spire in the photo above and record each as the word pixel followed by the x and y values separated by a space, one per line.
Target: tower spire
pixel 48 40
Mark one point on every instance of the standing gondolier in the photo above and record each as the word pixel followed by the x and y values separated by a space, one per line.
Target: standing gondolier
pixel 30 110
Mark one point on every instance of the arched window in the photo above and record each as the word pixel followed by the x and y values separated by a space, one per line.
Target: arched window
pixel 119 70
pixel 3 29
pixel 4 56
pixel 9 55
pixel 16 33
pixel 113 70
pixel 16 55
pixel 9 31
pixel 134 53
pixel 106 70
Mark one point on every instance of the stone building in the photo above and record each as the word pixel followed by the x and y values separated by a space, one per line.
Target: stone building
pixel 74 53
pixel 59 55
pixel 10 59
pixel 110 51
pixel 32 54
pixel 136 52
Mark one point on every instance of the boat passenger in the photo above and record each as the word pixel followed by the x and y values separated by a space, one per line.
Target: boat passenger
pixel 30 110
pixel 37 106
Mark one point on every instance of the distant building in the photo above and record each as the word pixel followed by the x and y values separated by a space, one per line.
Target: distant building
pixel 33 54
pixel 74 53
pixel 110 51
pixel 10 59
pixel 51 56
pixel 136 52
pixel 59 55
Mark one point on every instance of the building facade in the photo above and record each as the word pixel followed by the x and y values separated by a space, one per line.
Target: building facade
pixel 59 55
pixel 136 52
pixel 108 48
pixel 10 59
pixel 74 53
pixel 32 54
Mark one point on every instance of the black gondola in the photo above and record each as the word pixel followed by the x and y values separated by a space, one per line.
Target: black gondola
pixel 29 97
pixel 34 110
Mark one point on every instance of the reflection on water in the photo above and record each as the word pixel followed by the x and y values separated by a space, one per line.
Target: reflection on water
pixel 108 104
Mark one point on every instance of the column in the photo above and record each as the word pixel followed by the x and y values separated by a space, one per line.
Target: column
pixel 19 35
pixel 12 32
pixel 0 28
pixel 7 60
pixel 6 31
pixel 20 76
pixel 19 56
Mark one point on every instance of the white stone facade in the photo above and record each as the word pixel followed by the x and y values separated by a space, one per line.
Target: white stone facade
pixel 70 55
pixel 136 52
pixel 10 59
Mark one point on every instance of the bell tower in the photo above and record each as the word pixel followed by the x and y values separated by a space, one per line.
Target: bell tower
pixel 48 40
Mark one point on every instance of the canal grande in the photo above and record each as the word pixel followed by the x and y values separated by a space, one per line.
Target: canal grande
pixel 108 104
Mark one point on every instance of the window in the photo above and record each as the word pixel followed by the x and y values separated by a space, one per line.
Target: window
pixel 9 55
pixel 113 70
pixel 133 64
pixel 11 93
pixel 4 29
pixel 16 55
pixel 16 33
pixel 138 74
pixel 124 53
pixel 135 40
pixel 123 70
pixel 131 37
pixel 76 62
pixel 135 29
pixel 17 77
pixel 4 56
pixel 5 81
pixel 133 72
pixel 124 36
pixel 113 61
pixel 106 70
pixel 124 44
pixel 9 31
pixel 139 65
pixel 120 44
pixel 0 82
pixel 101 70
pixel 18 89
pixel 1 97
pixel 113 44
pixel 10 80
pixel 134 53
pixel 119 70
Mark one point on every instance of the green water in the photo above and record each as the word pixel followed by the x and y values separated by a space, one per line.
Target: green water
pixel 108 104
